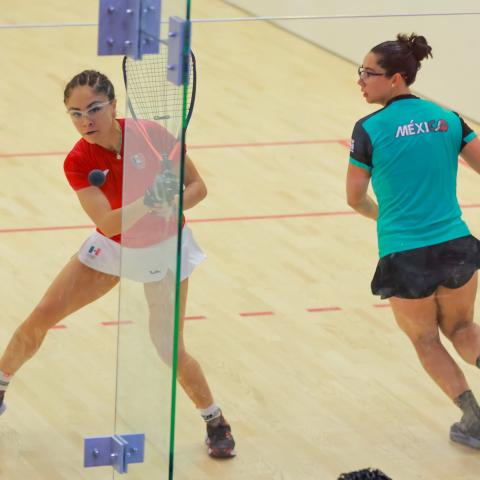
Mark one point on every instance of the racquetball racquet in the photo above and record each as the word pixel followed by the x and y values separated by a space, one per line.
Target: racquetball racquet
pixel 151 96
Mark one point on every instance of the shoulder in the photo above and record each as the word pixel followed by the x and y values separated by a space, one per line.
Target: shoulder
pixel 439 110
pixel 134 128
pixel 143 134
pixel 369 124
pixel 371 116
pixel 79 151
pixel 361 127
pixel 77 164
pixel 450 117
pixel 139 124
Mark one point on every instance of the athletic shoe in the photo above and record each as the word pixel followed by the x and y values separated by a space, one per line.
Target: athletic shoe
pixel 466 432
pixel 219 438
pixel 3 406
pixel 365 474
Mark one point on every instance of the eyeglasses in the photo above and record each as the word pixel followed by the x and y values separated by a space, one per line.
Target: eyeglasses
pixel 90 113
pixel 364 74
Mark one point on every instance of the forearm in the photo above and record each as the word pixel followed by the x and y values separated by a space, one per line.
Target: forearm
pixel 366 207
pixel 113 222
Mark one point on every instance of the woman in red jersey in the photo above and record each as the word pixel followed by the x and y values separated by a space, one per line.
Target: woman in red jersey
pixel 148 231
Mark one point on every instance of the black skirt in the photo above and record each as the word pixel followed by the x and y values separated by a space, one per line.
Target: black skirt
pixel 419 272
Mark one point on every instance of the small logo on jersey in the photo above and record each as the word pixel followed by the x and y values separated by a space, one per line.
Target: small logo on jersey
pixel 419 128
pixel 138 161
pixel 94 251
pixel 352 145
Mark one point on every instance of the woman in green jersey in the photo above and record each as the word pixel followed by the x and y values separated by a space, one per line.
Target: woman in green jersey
pixel 428 258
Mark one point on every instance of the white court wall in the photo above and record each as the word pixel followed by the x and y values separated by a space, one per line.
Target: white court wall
pixel 451 78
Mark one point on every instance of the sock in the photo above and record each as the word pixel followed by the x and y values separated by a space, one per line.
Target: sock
pixel 211 412
pixel 468 404
pixel 4 381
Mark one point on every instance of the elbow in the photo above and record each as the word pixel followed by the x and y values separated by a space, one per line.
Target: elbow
pixel 200 191
pixel 352 202
pixel 108 229
pixel 108 232
pixel 203 192
pixel 194 194
pixel 355 197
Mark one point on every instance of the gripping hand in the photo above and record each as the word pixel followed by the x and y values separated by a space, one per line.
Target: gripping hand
pixel 163 190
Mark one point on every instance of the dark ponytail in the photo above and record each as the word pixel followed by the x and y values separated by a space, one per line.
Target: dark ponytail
pixel 403 55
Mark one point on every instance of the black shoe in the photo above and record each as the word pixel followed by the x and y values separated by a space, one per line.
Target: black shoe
pixel 467 430
pixel 466 433
pixel 365 474
pixel 219 438
pixel 3 406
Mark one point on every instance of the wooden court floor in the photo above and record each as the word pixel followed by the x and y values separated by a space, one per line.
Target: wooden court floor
pixel 309 368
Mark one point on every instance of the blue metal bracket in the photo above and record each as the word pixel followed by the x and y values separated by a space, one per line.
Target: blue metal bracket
pixel 129 27
pixel 117 451
pixel 179 32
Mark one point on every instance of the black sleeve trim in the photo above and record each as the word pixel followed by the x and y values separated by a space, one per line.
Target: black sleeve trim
pixel 361 148
pixel 467 132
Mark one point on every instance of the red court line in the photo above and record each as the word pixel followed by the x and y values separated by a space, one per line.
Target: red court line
pixel 268 144
pixel 342 141
pixel 199 147
pixel 58 327
pixel 473 205
pixel 210 220
pixel 382 305
pixel 255 314
pixel 121 322
pixel 270 217
pixel 324 309
pixel 44 229
pixel 191 220
pixel 196 317
pixel 33 154
pixel 345 143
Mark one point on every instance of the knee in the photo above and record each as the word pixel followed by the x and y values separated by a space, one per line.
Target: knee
pixel 183 359
pixel 164 347
pixel 459 332
pixel 28 337
pixel 32 331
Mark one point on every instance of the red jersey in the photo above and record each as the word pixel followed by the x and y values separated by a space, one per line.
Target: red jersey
pixel 126 178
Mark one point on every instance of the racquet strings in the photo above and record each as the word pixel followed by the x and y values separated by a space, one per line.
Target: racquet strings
pixel 151 95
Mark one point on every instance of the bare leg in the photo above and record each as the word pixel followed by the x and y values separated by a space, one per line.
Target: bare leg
pixel 456 319
pixel 75 286
pixel 418 318
pixel 160 296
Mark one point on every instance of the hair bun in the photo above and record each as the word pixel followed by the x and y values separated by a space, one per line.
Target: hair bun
pixel 417 44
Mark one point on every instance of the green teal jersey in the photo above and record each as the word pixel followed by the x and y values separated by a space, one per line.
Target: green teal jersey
pixel 411 147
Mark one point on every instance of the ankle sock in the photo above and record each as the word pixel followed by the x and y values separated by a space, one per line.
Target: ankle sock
pixel 468 404
pixel 211 412
pixel 4 382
